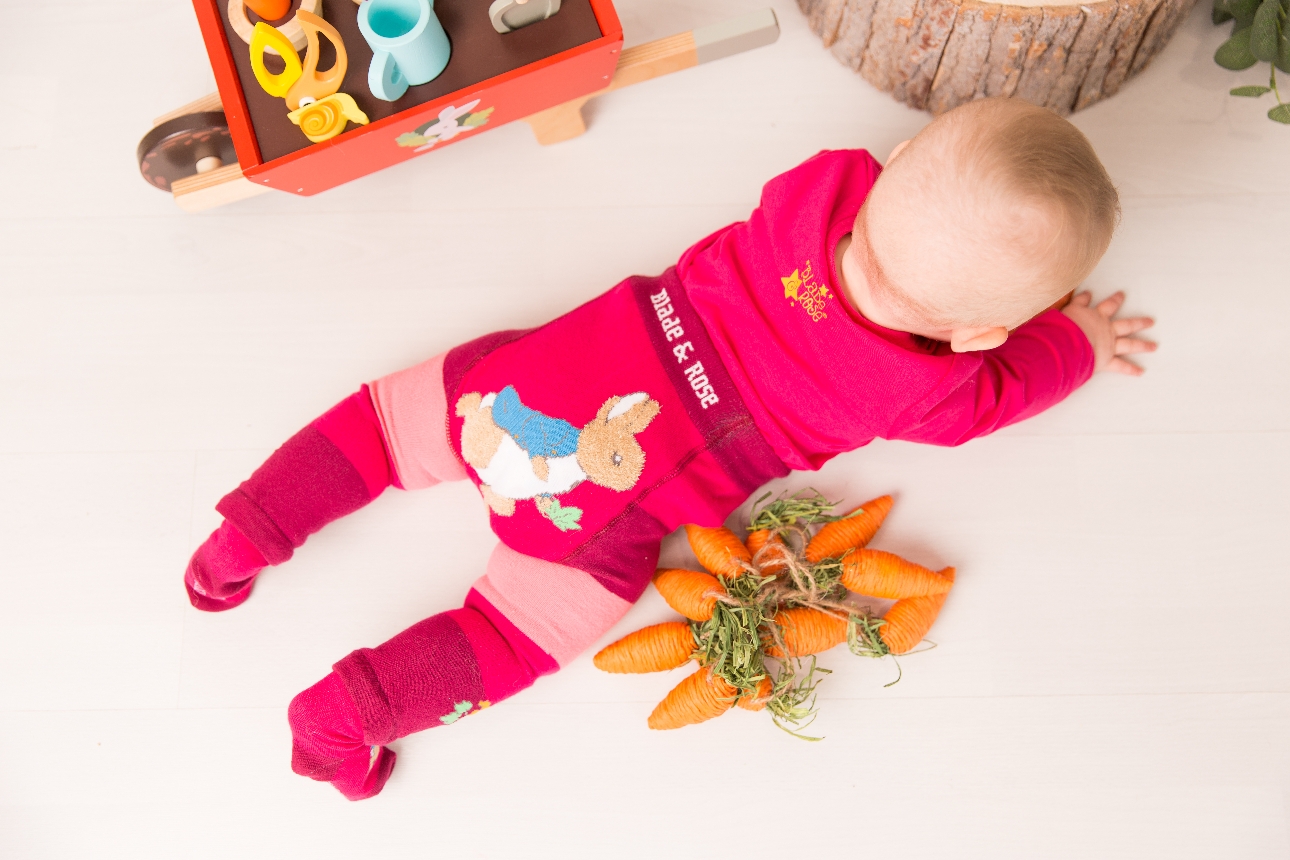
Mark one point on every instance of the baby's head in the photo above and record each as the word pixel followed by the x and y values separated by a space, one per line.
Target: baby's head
pixel 992 213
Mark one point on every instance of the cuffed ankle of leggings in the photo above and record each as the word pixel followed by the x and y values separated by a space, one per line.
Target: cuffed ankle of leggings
pixel 333 467
pixel 443 669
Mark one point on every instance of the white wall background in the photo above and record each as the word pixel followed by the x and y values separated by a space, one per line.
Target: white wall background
pixel 1112 679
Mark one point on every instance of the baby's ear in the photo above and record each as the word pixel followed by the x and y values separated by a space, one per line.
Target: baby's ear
pixel 977 339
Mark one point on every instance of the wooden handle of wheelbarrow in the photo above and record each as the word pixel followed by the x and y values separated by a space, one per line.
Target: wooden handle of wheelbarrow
pixel 658 58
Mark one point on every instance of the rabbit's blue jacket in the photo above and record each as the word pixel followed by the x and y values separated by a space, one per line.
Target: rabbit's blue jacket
pixel 540 435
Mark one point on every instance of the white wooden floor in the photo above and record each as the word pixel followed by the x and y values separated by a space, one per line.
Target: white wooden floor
pixel 1113 676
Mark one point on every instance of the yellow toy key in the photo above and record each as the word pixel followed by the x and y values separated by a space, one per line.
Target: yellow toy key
pixel 264 36
pixel 312 83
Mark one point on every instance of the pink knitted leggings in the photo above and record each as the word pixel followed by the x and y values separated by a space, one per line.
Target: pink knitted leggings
pixel 526 617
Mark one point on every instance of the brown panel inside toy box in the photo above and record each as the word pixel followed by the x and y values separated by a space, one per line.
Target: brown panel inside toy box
pixel 478 53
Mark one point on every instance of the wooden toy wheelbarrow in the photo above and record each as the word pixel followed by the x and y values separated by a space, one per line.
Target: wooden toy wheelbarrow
pixel 242 141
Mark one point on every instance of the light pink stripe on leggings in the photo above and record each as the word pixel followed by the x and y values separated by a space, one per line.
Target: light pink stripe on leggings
pixel 414 415
pixel 562 609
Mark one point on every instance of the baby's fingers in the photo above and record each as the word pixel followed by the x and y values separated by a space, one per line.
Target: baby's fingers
pixel 1110 305
pixel 1130 345
pixel 1130 325
pixel 1119 365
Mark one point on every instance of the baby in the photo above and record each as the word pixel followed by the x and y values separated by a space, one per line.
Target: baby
pixel 856 302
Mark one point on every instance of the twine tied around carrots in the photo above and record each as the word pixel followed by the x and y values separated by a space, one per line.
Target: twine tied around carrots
pixel 773 600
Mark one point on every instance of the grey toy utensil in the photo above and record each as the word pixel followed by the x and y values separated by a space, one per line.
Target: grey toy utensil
pixel 508 15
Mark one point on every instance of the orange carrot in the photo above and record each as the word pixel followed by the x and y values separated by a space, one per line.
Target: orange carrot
pixel 689 592
pixel 772 563
pixel 718 549
pixel 650 649
pixel 699 697
pixel 851 532
pixel 886 575
pixel 758 539
pixel 757 699
pixel 807 631
pixel 908 621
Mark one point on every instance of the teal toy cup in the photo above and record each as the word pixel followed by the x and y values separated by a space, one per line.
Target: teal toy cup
pixel 409 45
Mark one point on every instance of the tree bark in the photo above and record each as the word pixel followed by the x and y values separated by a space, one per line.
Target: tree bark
pixel 938 54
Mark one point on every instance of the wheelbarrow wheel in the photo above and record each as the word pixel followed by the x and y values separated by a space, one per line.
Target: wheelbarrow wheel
pixel 185 146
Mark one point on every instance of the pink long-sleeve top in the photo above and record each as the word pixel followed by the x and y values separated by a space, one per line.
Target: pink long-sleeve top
pixel 817 376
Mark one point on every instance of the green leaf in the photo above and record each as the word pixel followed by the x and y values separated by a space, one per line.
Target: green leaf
pixel 1265 33
pixel 1283 50
pixel 1235 53
pixel 1280 113
pixel 565 519
pixel 1242 10
pixel 476 119
pixel 1250 92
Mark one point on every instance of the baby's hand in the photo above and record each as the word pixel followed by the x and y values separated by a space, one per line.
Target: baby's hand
pixel 1111 338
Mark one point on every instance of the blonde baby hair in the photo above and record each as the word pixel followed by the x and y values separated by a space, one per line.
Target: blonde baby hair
pixel 991 159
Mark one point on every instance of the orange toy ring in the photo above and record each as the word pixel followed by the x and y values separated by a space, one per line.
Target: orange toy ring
pixel 292 30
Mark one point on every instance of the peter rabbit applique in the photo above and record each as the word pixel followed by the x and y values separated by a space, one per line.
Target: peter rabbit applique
pixel 519 453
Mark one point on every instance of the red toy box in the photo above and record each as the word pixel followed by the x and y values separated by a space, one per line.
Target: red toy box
pixel 491 79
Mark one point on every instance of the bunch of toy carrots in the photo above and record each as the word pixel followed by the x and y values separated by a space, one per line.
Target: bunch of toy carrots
pixel 767 602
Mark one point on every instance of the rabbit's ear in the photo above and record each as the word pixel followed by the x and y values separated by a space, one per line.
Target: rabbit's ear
pixel 623 405
pixel 602 414
pixel 635 412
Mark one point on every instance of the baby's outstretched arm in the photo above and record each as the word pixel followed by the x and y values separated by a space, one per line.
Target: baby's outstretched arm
pixel 1040 364
pixel 1110 338
pixel 1037 367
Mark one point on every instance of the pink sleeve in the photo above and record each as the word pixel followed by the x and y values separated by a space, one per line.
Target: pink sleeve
pixel 1039 365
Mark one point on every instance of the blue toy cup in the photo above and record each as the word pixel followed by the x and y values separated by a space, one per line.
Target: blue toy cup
pixel 409 45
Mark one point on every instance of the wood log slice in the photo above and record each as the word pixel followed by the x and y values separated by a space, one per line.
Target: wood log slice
pixel 938 54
